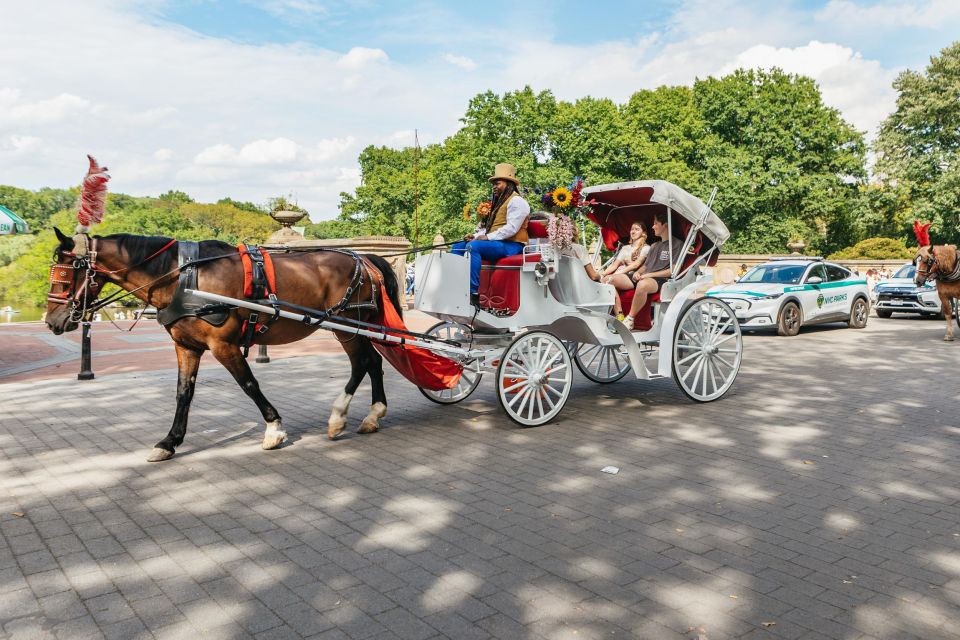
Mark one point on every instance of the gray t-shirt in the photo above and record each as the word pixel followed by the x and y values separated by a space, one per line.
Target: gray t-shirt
pixel 660 256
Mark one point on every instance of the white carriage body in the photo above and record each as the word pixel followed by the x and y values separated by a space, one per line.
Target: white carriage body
pixel 556 295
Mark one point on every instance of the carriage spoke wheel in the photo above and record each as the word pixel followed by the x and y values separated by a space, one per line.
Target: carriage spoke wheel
pixel 468 379
pixel 602 365
pixel 707 348
pixel 955 307
pixel 534 378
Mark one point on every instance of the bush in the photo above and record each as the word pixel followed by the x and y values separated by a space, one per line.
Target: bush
pixel 875 249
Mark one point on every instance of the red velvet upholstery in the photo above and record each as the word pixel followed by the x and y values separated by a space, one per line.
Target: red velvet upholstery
pixel 537 229
pixel 644 319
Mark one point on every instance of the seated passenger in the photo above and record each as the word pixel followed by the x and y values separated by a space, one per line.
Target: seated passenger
pixel 579 252
pixel 657 269
pixel 503 233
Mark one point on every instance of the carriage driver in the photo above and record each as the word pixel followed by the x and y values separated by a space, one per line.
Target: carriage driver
pixel 503 233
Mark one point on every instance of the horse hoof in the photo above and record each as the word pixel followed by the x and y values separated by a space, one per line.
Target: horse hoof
pixel 335 428
pixel 273 439
pixel 159 455
pixel 368 426
pixel 948 339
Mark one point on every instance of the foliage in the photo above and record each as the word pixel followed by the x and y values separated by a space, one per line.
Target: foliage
pixel 36 207
pixel 875 249
pixel 12 247
pixel 918 145
pixel 327 229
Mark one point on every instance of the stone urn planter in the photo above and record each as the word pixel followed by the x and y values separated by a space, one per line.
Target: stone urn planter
pixel 796 247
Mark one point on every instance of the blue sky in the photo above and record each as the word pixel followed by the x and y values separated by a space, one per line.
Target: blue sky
pixel 257 98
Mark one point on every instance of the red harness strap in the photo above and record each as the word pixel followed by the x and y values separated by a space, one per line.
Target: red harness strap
pixel 248 271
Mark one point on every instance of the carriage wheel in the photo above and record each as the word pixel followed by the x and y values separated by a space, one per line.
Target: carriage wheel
pixel 707 348
pixel 602 365
pixel 956 307
pixel 468 379
pixel 534 378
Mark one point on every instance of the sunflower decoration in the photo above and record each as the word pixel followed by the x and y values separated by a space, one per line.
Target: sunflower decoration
pixel 483 209
pixel 466 211
pixel 562 197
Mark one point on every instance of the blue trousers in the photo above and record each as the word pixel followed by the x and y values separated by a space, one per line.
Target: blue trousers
pixel 484 250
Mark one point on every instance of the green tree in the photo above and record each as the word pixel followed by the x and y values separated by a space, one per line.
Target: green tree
pixel 918 144
pixel 36 207
pixel 875 249
pixel 786 165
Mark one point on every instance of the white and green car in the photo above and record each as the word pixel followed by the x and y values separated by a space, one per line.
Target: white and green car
pixel 790 293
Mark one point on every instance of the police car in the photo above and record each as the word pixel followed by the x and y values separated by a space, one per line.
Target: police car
pixel 792 292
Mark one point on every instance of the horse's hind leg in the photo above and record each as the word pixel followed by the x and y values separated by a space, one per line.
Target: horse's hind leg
pixel 188 362
pixel 947 306
pixel 378 406
pixel 230 357
pixel 353 346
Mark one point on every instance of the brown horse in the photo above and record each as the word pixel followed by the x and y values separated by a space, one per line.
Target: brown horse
pixel 940 263
pixel 147 267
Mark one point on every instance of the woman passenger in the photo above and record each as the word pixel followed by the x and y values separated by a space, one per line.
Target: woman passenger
pixel 629 260
pixel 657 269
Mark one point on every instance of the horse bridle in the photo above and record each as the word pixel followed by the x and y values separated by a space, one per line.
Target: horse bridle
pixel 67 274
pixel 930 262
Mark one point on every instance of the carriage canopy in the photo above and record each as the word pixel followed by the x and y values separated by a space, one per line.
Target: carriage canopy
pixel 619 205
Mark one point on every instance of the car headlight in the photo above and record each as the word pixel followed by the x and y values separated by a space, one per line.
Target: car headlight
pixel 772 296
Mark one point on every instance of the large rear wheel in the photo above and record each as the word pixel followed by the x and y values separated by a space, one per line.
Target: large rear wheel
pixel 707 349
pixel 534 378
pixel 469 379
pixel 602 365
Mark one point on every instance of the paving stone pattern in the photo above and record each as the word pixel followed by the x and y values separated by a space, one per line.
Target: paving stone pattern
pixel 820 499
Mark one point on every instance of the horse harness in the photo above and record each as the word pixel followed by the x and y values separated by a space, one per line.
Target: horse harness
pixel 259 286
pixel 930 262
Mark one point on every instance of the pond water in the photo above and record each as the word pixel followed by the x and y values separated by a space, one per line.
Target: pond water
pixel 13 312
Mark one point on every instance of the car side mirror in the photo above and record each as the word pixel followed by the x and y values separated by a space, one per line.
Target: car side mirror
pixel 814 280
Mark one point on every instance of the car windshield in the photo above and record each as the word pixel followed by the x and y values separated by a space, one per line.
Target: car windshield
pixel 906 271
pixel 775 273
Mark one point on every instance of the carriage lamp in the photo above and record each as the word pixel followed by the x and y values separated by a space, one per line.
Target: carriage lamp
pixel 542 271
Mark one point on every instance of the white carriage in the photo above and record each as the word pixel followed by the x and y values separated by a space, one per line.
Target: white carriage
pixel 542 312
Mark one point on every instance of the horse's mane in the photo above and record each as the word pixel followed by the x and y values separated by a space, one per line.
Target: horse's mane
pixel 139 248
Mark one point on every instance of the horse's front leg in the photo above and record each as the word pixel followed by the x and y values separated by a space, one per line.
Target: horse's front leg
pixel 230 357
pixel 378 406
pixel 945 304
pixel 188 362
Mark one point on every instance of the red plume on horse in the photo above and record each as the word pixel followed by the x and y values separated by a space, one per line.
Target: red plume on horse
pixel 939 263
pixel 160 271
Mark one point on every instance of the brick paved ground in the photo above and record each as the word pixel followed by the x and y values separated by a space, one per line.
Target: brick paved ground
pixel 820 499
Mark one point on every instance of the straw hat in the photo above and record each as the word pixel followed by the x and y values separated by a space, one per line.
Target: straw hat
pixel 505 171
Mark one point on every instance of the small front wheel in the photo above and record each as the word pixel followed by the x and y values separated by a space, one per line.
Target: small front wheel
pixel 883 313
pixel 602 365
pixel 858 314
pixel 789 322
pixel 469 379
pixel 534 378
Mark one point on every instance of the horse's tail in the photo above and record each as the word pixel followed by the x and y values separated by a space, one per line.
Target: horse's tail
pixel 389 280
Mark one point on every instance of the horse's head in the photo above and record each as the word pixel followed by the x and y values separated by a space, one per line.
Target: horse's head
pixel 926 263
pixel 74 285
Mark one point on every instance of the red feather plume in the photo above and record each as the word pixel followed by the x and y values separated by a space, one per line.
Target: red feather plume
pixel 922 231
pixel 93 194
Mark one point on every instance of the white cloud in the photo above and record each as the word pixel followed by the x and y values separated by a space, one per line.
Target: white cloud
pixel 14 110
pixel 860 89
pixel 359 57
pixel 931 14
pixel 463 62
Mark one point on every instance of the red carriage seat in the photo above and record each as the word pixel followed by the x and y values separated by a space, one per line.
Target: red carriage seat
pixel 500 282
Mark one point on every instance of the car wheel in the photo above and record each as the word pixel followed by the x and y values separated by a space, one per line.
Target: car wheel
pixel 789 322
pixel 858 314
pixel 883 313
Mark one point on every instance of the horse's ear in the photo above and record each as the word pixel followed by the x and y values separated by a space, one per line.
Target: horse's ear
pixel 66 242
